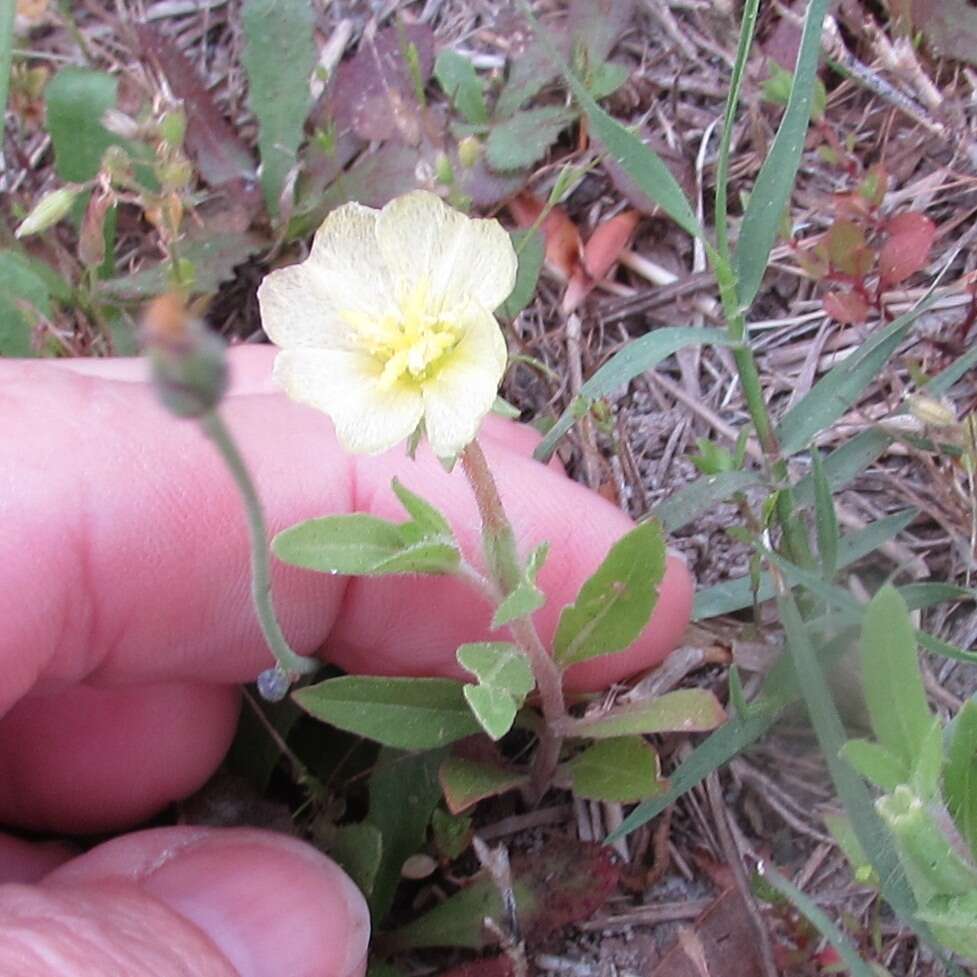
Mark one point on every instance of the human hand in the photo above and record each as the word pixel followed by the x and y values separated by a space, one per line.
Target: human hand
pixel 127 627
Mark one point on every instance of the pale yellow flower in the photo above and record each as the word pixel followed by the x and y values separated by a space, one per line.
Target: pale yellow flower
pixel 389 322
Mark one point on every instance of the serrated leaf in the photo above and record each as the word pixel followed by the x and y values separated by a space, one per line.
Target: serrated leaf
pixel 876 764
pixel 614 605
pixel 681 711
pixel 525 598
pixel 960 776
pixel 75 101
pixel 358 850
pixel 522 140
pixel 22 289
pixel 620 770
pixel 407 713
pixel 279 55
pixel 893 686
pixel 466 782
pixel 530 251
pixel 457 78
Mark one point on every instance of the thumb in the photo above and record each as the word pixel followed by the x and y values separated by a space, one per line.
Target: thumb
pixel 188 902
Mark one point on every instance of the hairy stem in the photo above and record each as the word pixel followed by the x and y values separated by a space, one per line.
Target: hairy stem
pixel 291 663
pixel 502 559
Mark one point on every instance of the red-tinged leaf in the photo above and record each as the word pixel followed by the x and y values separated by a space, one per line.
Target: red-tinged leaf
pixel 907 248
pixel 600 254
pixel 374 91
pixel 466 782
pixel 844 239
pixel 500 966
pixel 221 155
pixel 571 880
pixel 848 308
pixel 564 248
pixel 814 261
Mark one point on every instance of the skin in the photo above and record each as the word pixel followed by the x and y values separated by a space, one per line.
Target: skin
pixel 127 627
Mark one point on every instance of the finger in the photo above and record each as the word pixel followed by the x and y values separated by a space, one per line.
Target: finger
pixel 175 901
pixel 24 861
pixel 96 759
pixel 125 555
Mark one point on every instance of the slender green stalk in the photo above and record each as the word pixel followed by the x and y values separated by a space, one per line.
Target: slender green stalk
pixel 8 10
pixel 291 663
pixel 502 558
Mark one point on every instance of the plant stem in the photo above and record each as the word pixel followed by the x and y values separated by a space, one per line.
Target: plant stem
pixel 502 559
pixel 291 663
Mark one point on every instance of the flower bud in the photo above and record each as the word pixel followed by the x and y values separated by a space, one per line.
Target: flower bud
pixel 189 367
pixel 933 413
pixel 173 127
pixel 443 171
pixel 91 238
pixel 49 210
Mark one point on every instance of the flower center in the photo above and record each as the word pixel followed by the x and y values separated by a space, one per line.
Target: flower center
pixel 408 341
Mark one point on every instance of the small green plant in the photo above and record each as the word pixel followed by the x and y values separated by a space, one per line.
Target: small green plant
pixel 927 772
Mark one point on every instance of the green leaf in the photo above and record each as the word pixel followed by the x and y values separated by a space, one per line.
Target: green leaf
pixel 826 522
pixel 923 594
pixel 8 13
pixel 634 359
pixel 279 55
pixel 774 182
pixel 681 711
pixel 614 605
pixel 954 921
pixel 451 833
pixel 835 393
pixel 876 764
pixel 606 78
pixel 75 101
pixel 466 782
pixel 427 521
pixel 358 850
pixel 505 679
pixel 24 297
pixel 458 80
pixel 893 686
pixel 927 768
pixel 702 495
pixel 734 595
pixel 525 598
pixel 404 792
pixel 408 713
pixel 841 830
pixel 619 770
pixel 960 776
pixel 524 139
pixel 362 544
pixel 530 251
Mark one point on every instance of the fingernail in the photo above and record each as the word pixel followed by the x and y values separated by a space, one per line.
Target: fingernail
pixel 273 905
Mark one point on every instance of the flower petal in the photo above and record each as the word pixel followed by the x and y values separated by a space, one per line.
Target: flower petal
pixel 462 392
pixel 304 305
pixel 422 239
pixel 345 386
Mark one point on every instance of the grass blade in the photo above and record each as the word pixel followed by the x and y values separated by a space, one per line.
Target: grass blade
pixel 841 386
pixel 747 29
pixel 700 496
pixel 857 967
pixel 775 180
pixel 642 354
pixel 8 10
pixel 641 163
